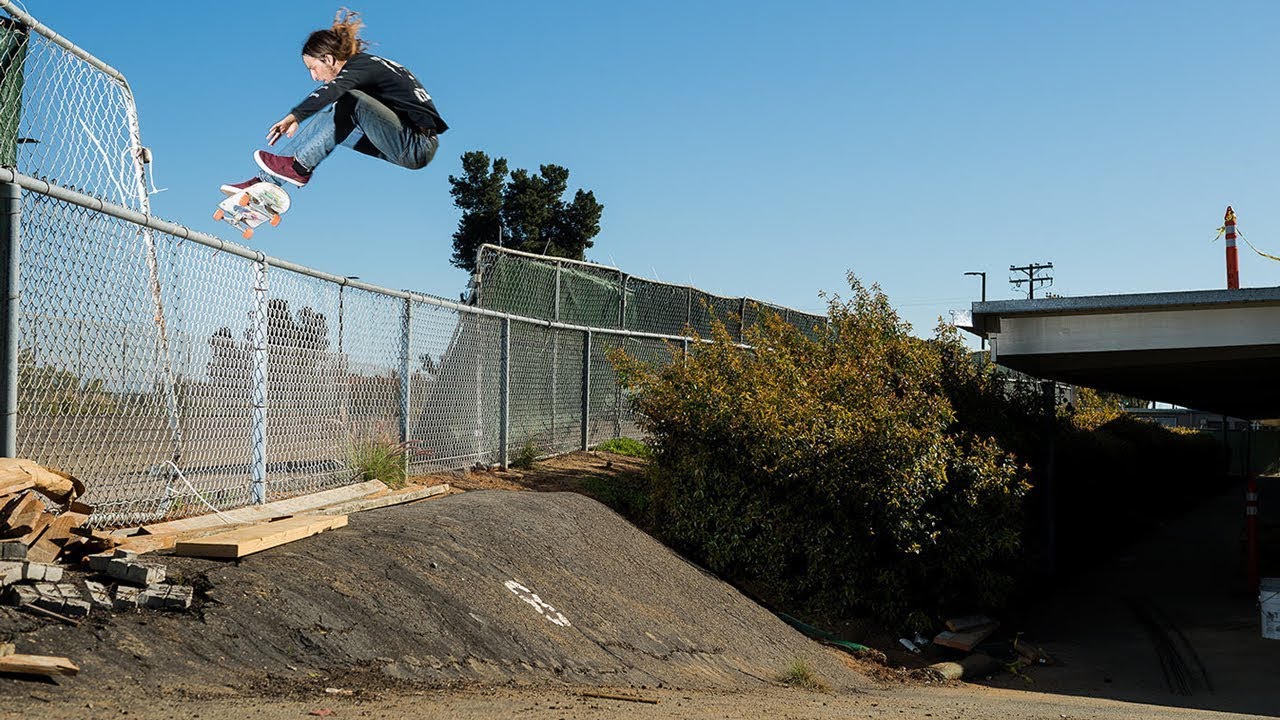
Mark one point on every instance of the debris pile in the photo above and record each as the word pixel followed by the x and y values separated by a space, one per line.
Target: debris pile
pixel 42 523
pixel 54 565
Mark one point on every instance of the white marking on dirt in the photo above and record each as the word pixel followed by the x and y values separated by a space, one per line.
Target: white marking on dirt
pixel 538 604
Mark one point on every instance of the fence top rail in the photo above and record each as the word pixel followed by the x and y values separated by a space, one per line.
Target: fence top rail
pixel 547 258
pixel 26 19
pixel 626 276
pixel 8 175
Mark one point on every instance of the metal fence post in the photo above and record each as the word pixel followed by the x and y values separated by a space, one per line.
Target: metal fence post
pixel 11 241
pixel 504 393
pixel 555 362
pixel 742 320
pixel 586 386
pixel 556 300
pixel 258 422
pixel 622 308
pixel 555 383
pixel 406 379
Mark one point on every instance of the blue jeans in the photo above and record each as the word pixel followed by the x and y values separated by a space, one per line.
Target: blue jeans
pixel 365 125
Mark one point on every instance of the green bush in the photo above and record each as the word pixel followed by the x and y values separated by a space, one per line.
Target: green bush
pixel 829 471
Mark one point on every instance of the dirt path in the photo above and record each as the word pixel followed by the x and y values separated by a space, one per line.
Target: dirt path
pixel 567 703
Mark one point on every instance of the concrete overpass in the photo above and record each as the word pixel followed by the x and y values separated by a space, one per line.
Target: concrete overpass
pixel 1213 350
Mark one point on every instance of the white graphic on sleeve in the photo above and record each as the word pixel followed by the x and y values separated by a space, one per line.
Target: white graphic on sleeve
pixel 543 608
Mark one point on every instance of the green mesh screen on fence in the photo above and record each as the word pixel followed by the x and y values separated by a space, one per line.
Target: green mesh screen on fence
pixel 578 293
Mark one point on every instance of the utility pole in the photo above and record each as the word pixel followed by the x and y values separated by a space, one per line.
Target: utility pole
pixel 983 275
pixel 1031 271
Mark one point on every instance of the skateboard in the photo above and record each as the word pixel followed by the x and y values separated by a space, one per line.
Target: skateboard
pixel 259 203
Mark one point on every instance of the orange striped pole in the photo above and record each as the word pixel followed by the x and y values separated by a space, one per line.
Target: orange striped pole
pixel 1233 267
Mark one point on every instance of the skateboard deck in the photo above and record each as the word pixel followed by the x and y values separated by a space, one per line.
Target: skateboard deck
pixel 259 203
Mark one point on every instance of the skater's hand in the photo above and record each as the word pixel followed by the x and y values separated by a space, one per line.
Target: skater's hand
pixel 287 127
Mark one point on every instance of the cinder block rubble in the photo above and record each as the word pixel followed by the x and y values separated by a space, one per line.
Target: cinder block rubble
pixel 167 597
pixel 10 572
pixel 63 598
pixel 137 573
pixel 126 597
pixel 13 550
pixel 36 572
pixel 99 595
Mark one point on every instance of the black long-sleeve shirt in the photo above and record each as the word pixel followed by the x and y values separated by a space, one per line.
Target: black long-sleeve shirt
pixel 386 80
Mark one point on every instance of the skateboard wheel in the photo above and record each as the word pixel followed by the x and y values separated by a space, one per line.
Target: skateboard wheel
pixel 248 233
pixel 218 214
pixel 244 200
pixel 275 220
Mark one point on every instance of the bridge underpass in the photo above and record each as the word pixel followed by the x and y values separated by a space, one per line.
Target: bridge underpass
pixel 1210 350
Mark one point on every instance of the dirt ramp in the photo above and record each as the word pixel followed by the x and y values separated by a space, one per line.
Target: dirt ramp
pixel 484 586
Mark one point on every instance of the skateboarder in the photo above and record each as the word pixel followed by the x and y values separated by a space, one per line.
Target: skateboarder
pixel 368 103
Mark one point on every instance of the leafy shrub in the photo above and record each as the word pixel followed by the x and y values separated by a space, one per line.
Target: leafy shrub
pixel 828 470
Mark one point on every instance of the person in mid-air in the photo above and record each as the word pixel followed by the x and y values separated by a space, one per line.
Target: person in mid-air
pixel 368 103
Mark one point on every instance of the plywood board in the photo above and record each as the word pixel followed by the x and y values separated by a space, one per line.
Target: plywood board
pixel 37 665
pixel 398 497
pixel 262 513
pixel 256 538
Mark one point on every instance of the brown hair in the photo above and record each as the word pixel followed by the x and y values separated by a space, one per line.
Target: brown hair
pixel 342 40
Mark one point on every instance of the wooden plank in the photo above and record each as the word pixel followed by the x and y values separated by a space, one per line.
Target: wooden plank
pixel 255 538
pixel 41 523
pixel 15 484
pixel 53 484
pixel 262 513
pixel 23 513
pixel 37 665
pixel 49 546
pixel 965 641
pixel 380 501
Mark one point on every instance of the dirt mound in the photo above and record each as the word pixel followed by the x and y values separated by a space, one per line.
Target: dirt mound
pixel 488 586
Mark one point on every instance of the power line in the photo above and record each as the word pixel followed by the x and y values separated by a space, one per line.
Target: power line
pixel 1032 277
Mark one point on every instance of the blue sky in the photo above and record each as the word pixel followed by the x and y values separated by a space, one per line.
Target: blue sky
pixel 758 148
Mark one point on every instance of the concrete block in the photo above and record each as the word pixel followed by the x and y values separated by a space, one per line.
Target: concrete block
pixel 129 555
pixel 63 598
pixel 126 598
pixel 72 600
pixel 99 595
pixel 167 597
pixel 13 550
pixel 21 595
pixel 10 572
pixel 137 573
pixel 98 563
pixel 41 571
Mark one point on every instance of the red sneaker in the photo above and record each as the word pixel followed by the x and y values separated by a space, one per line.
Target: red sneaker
pixel 233 188
pixel 281 166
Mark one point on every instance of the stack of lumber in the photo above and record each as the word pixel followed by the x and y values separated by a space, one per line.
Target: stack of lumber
pixel 39 511
pixel 239 532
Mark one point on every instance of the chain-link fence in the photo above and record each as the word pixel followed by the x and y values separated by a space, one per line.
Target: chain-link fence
pixel 173 371
pixel 600 296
